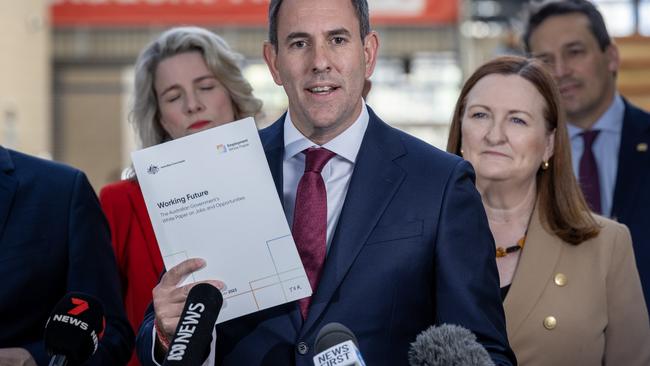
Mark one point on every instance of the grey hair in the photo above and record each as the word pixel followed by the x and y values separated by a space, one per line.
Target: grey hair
pixel 220 59
pixel 360 8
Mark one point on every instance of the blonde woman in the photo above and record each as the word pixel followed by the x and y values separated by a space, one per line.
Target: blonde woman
pixel 187 80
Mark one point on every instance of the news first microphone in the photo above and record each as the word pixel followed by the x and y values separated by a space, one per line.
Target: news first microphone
pixel 336 345
pixel 448 345
pixel 73 330
pixel 191 343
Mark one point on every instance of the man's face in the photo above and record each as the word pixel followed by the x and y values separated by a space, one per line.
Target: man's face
pixel 322 63
pixel 584 73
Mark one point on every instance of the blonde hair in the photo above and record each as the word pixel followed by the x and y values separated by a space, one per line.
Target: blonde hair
pixel 220 59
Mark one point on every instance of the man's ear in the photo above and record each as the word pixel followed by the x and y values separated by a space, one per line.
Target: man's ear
pixel 613 58
pixel 370 48
pixel 271 57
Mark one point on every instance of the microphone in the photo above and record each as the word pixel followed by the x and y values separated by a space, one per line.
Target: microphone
pixel 449 345
pixel 336 345
pixel 73 329
pixel 191 343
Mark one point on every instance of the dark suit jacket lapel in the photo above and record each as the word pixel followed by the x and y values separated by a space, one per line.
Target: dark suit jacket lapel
pixel 8 186
pixel 375 180
pixel 631 162
pixel 538 260
pixel 273 143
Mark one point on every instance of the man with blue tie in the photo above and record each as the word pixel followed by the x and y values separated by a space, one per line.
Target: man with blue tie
pixel 609 136
pixel 391 231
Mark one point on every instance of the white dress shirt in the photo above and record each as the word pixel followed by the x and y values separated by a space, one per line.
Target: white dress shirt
pixel 336 173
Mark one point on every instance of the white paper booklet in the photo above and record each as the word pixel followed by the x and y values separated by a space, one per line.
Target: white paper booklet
pixel 211 195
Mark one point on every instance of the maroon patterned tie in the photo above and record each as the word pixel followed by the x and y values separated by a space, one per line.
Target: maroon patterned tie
pixel 589 181
pixel 310 219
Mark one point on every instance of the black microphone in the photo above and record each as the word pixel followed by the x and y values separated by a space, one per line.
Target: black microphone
pixel 336 345
pixel 449 345
pixel 73 330
pixel 191 343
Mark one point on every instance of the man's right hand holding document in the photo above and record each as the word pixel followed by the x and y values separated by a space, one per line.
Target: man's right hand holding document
pixel 169 297
pixel 218 219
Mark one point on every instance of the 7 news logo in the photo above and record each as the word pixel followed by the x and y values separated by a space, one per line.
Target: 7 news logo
pixel 72 317
pixel 79 306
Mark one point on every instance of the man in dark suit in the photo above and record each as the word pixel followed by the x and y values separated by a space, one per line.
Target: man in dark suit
pixel 402 242
pixel 53 240
pixel 609 136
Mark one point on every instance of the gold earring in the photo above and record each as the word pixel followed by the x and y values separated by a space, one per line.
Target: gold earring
pixel 461 152
pixel 545 165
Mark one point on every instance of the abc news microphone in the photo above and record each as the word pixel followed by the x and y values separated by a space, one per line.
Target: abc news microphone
pixel 191 343
pixel 336 345
pixel 73 330
pixel 448 345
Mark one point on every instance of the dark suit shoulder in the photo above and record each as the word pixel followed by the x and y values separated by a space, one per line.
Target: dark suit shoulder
pixel 635 121
pixel 637 112
pixel 429 151
pixel 422 154
pixel 31 166
pixel 272 132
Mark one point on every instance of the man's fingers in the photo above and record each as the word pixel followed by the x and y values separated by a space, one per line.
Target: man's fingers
pixel 164 297
pixel 180 271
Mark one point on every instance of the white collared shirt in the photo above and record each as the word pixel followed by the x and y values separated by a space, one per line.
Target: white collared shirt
pixel 336 173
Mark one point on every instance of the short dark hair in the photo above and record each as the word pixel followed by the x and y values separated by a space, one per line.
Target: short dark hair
pixel 554 8
pixel 360 8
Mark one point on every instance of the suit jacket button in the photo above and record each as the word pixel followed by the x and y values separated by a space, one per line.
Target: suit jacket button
pixel 560 279
pixel 302 348
pixel 550 322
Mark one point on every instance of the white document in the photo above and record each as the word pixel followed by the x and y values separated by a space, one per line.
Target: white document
pixel 211 195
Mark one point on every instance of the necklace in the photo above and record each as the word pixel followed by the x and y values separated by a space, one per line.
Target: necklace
pixel 502 252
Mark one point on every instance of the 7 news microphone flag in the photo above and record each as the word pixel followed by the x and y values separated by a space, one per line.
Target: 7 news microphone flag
pixel 74 328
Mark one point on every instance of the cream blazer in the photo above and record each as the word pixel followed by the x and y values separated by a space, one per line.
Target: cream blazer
pixel 578 305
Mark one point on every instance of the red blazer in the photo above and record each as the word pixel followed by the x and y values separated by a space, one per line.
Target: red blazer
pixel 136 249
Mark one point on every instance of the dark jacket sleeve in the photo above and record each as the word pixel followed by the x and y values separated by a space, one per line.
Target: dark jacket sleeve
pixel 92 270
pixel 144 340
pixel 467 280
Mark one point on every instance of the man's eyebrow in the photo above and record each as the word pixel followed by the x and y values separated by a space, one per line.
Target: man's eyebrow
pixel 295 35
pixel 339 32
pixel 335 32
pixel 572 44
